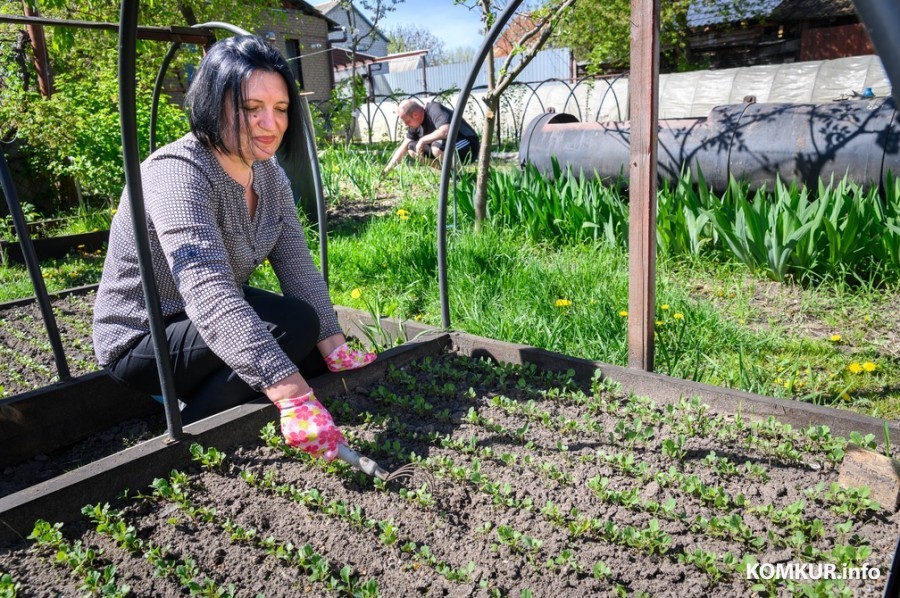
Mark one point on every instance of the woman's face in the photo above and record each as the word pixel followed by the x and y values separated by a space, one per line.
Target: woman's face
pixel 265 108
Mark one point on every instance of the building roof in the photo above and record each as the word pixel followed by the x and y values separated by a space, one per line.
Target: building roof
pixel 327 7
pixel 308 9
pixel 716 12
pixel 800 10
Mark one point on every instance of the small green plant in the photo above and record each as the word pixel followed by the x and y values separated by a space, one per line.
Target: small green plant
pixel 210 458
pixel 9 587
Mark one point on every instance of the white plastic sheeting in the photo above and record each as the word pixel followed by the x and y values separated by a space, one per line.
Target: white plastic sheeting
pixel 682 95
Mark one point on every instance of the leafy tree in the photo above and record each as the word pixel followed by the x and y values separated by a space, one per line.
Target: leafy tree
pixel 460 54
pixel 75 131
pixel 406 38
pixel 545 18
pixel 599 31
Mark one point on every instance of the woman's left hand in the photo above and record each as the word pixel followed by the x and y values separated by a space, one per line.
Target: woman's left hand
pixel 344 358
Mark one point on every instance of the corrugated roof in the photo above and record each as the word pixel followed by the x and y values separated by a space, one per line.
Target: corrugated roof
pixel 821 9
pixel 715 12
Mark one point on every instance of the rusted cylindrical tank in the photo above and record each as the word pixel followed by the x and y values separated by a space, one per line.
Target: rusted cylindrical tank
pixel 752 142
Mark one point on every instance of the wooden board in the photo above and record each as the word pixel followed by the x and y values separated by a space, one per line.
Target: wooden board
pixel 862 467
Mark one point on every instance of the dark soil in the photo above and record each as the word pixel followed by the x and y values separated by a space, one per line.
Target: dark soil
pixel 517 455
pixel 26 351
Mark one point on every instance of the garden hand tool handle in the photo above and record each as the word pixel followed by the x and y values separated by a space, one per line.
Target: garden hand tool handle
pixel 364 464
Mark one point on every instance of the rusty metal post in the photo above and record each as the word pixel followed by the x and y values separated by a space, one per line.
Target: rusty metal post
pixel 39 44
pixel 644 99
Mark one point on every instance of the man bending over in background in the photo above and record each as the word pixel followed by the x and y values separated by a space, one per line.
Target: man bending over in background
pixel 427 134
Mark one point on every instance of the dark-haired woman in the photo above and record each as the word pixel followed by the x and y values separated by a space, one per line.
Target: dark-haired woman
pixel 218 205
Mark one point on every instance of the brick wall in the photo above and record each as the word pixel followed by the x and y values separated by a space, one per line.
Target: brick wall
pixel 312 35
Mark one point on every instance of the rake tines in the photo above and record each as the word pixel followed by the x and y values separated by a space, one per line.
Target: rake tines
pixel 408 471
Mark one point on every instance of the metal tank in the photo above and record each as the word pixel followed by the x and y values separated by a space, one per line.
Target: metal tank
pixel 750 141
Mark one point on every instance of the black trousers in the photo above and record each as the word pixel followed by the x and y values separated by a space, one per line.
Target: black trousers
pixel 204 383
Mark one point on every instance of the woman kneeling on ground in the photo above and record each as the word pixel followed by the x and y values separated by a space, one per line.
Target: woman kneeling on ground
pixel 218 205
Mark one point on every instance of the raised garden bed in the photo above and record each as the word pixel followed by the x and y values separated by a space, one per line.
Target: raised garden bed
pixel 25 348
pixel 548 481
pixel 56 247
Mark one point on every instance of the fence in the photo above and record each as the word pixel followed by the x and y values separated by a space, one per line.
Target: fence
pixel 682 95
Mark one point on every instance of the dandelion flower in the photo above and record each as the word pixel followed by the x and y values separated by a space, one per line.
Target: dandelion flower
pixel 659 322
pixel 777 380
pixel 867 318
pixel 869 366
pixel 82 247
pixel 356 293
pixel 855 368
pixel 623 313
pixel 403 214
pixel 835 338
pixel 678 315
pixel 664 307
pixel 563 303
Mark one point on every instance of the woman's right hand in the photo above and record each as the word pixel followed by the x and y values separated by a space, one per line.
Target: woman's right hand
pixel 307 425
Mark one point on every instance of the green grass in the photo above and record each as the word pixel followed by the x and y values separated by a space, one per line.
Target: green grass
pixel 720 322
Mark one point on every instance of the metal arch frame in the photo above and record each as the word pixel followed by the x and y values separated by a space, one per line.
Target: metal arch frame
pixel 128 19
pixel 609 88
pixel 447 166
pixel 14 205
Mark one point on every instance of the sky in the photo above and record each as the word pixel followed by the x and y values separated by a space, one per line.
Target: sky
pixel 455 25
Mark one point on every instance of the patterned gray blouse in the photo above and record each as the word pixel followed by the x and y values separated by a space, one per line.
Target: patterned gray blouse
pixel 204 248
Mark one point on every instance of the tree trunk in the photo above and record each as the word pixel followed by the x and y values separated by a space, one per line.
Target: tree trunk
pixel 484 162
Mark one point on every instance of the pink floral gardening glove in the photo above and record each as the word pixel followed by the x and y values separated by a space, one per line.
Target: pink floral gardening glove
pixel 345 358
pixel 308 426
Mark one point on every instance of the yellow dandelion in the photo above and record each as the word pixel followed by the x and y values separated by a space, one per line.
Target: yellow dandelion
pixel 869 366
pixel 844 396
pixel 659 322
pixel 855 368
pixel 867 318
pixel 82 247
pixel 678 315
pixel 664 307
pixel 356 293
pixel 403 214
pixel 623 313
pixel 777 380
pixel 721 293
pixel 835 338
pixel 563 303
pixel 113 211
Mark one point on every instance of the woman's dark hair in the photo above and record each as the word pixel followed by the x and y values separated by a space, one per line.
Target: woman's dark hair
pixel 223 73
